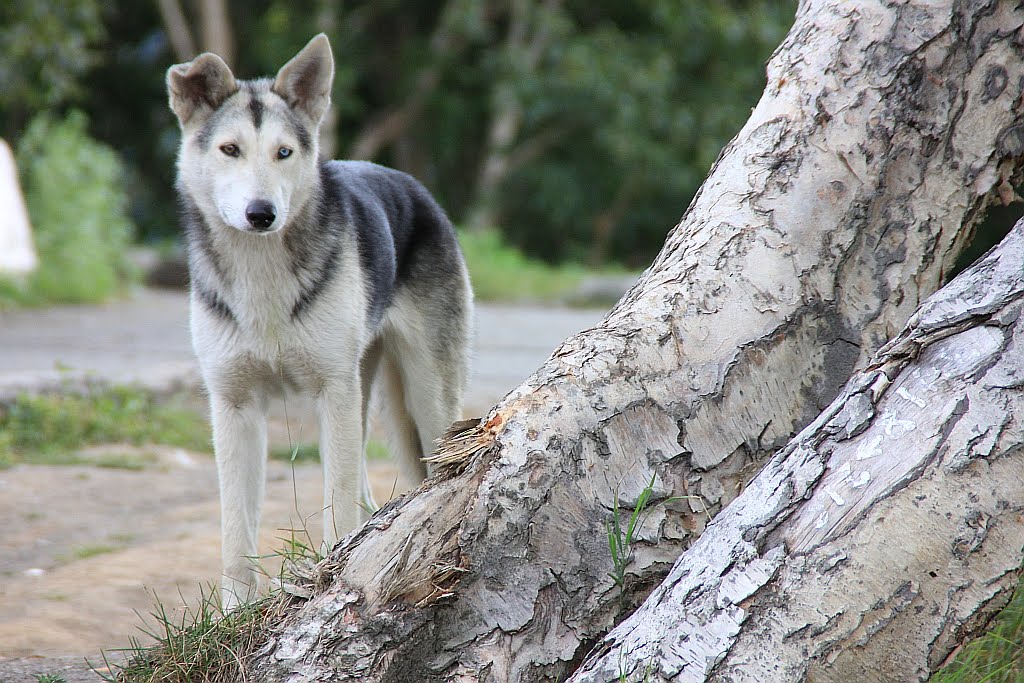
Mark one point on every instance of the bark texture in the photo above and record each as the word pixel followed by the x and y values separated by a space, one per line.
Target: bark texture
pixel 883 132
pixel 888 531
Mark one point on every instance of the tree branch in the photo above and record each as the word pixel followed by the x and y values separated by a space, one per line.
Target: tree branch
pixel 445 45
pixel 882 536
pixel 215 29
pixel 178 32
pixel 524 47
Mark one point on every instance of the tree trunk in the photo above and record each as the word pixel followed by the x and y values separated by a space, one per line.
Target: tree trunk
pixel 178 32
pixel 446 44
pixel 327 22
pixel 528 36
pixel 883 535
pixel 215 29
pixel 883 132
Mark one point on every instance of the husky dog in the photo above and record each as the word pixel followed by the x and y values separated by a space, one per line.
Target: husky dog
pixel 309 275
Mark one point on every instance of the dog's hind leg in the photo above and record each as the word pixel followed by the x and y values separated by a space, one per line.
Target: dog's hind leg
pixel 368 370
pixel 427 343
pixel 240 444
pixel 403 436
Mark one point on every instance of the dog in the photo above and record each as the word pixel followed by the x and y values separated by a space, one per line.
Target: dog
pixel 313 276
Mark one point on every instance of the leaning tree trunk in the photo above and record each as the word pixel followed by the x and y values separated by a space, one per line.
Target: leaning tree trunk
pixel 884 534
pixel 883 132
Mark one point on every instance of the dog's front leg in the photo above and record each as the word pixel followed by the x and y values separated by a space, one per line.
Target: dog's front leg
pixel 240 444
pixel 346 498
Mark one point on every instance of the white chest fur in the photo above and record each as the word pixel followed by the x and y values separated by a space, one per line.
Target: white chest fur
pixel 266 344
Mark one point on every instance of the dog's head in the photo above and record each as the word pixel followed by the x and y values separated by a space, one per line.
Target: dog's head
pixel 249 149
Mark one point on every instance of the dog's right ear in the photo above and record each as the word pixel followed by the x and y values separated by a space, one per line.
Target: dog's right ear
pixel 198 87
pixel 305 81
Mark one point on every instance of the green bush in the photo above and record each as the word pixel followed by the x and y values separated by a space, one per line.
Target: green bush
pixel 51 428
pixel 77 205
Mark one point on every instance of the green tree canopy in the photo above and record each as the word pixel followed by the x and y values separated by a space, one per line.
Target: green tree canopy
pixel 579 129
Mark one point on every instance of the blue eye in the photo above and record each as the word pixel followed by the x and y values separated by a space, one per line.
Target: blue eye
pixel 284 153
pixel 230 149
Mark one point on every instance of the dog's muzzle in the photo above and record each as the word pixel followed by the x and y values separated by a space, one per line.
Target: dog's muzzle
pixel 260 214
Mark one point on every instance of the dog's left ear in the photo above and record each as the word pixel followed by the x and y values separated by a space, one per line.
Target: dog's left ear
pixel 305 81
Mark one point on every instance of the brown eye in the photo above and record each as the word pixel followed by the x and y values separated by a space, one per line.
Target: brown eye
pixel 284 153
pixel 230 149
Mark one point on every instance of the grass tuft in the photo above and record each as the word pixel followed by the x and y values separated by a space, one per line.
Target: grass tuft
pixel 644 676
pixel 620 540
pixel 310 452
pixel 123 461
pixel 201 644
pixel 50 678
pixel 86 551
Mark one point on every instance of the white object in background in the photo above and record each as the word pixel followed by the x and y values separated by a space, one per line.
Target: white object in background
pixel 17 254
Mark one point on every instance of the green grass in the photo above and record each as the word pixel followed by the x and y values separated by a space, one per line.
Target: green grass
pixel 86 551
pixel 50 678
pixel 302 453
pixel 123 461
pixel 621 538
pixel 994 657
pixel 50 429
pixel 622 534
pixel 205 643
pixel 502 273
pixel 643 676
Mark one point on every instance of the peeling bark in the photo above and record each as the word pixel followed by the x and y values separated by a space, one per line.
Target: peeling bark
pixel 824 223
pixel 887 532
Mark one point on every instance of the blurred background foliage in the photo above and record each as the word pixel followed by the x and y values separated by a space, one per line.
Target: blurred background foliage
pixel 79 211
pixel 576 132
pixel 579 130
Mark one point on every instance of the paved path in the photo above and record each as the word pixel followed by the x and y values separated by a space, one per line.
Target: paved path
pixel 145 339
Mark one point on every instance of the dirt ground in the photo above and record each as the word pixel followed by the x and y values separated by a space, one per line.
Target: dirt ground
pixel 86 550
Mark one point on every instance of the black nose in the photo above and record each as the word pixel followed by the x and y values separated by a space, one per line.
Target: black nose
pixel 260 214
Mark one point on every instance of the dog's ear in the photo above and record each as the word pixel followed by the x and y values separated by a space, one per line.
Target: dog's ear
pixel 305 81
pixel 199 87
